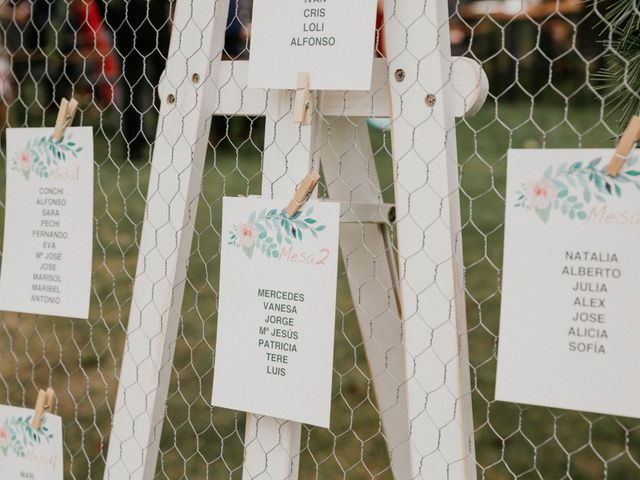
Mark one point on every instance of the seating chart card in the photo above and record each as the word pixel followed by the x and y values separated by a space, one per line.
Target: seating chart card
pixel 276 314
pixel 570 320
pixel 332 40
pixel 48 228
pixel 26 453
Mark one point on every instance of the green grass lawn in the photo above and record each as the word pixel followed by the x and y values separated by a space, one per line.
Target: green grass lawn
pixel 81 359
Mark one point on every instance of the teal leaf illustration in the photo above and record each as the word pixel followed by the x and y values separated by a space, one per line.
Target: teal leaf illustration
pixel 42 153
pixel 17 436
pixel 543 214
pixel 248 251
pixel 567 188
pixel 267 231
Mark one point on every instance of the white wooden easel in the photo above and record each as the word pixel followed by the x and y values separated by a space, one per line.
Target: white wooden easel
pixel 419 365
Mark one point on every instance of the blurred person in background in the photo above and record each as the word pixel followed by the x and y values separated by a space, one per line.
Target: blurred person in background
pixel 55 49
pixel 9 13
pixel 236 47
pixel 236 44
pixel 92 47
pixel 141 37
pixel 25 32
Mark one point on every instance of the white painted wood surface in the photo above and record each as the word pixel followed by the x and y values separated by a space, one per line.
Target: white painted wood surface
pixel 429 240
pixel 469 92
pixel 373 212
pixel 174 187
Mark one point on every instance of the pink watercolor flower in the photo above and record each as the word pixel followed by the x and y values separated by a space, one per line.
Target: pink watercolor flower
pixel 24 161
pixel 246 233
pixel 540 194
pixel 4 437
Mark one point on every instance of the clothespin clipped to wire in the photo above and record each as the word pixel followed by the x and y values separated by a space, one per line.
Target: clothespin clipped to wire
pixel 43 404
pixel 66 114
pixel 302 103
pixel 302 193
pixel 628 141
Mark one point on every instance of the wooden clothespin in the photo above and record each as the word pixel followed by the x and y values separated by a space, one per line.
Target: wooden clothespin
pixel 302 193
pixel 302 103
pixel 629 138
pixel 66 114
pixel 43 404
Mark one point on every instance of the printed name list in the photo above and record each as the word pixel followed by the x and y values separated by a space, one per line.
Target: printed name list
pixel 313 32
pixel 592 275
pixel 331 40
pixel 51 234
pixel 279 335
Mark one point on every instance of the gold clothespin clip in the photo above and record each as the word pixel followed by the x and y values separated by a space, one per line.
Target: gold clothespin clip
pixel 302 103
pixel 43 404
pixel 302 193
pixel 629 138
pixel 66 114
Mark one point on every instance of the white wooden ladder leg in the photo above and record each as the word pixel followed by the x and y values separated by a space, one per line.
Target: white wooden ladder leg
pixel 351 176
pixel 272 445
pixel 429 239
pixel 188 93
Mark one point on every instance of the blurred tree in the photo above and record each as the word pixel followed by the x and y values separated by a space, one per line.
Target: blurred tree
pixel 622 74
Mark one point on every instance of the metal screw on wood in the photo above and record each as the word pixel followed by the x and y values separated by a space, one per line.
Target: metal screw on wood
pixel 171 98
pixel 392 215
pixel 400 75
pixel 195 78
pixel 430 100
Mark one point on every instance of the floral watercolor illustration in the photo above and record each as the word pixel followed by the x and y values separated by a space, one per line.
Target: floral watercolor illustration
pixel 570 187
pixel 268 230
pixel 43 153
pixel 17 436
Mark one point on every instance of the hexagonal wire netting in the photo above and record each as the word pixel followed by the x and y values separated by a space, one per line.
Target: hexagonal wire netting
pixel 542 59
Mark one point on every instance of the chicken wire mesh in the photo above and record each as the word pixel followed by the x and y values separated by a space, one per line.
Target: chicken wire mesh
pixel 542 60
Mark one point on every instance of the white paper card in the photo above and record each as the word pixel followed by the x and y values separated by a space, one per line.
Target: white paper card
pixel 570 319
pixel 26 453
pixel 276 313
pixel 332 40
pixel 46 259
